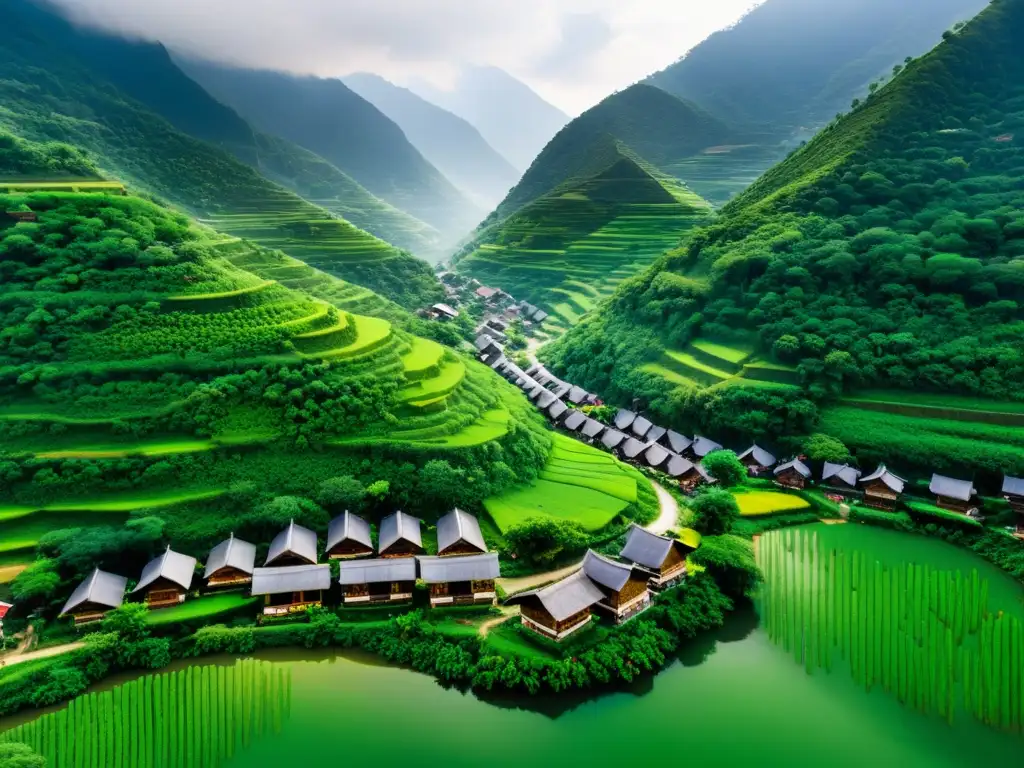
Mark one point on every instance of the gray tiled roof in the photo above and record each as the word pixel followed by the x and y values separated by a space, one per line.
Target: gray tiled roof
pixel 605 572
pixel 702 446
pixel 676 441
pixel 557 410
pixel 100 588
pixel 592 428
pixel 655 433
pixel 577 394
pixel 380 571
pixel 293 540
pixel 437 570
pixel 290 578
pixel 796 464
pixel 566 597
pixel 952 488
pixel 641 426
pixel 894 482
pixel 231 553
pixel 546 399
pixel 655 455
pixel 646 548
pixel 612 438
pixel 458 525
pixel 678 466
pixel 1013 486
pixel 483 342
pixel 624 419
pixel 173 566
pixel 399 526
pixel 759 455
pixel 844 472
pixel 632 448
pixel 575 420
pixel 348 526
pixel 540 315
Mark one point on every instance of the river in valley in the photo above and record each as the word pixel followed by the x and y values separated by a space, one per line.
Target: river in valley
pixel 865 647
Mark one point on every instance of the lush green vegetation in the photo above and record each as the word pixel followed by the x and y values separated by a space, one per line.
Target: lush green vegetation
pixel 885 254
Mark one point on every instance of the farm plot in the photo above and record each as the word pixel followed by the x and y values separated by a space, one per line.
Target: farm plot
pixel 757 503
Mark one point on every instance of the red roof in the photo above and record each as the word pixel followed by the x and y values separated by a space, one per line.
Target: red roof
pixel 485 293
pixel 4 608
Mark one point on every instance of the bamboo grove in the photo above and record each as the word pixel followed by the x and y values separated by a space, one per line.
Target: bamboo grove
pixel 199 716
pixel 926 636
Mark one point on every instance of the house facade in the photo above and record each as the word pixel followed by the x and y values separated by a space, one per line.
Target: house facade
pixel 663 558
pixel 166 580
pixel 882 488
pixel 624 587
pixel 793 474
pixel 560 609
pixel 230 564
pixel 461 580
pixel 348 537
pixel 400 536
pixel 388 580
pixel 291 588
pixel 98 594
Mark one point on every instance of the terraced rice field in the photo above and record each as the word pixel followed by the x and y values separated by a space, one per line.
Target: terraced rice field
pixel 209 607
pixel 757 503
pixel 706 363
pixel 108 187
pixel 719 174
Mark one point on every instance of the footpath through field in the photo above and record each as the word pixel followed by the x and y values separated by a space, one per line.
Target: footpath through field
pixel 45 653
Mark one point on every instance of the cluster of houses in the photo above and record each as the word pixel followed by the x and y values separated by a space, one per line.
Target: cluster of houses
pixel 291 579
pixel 502 309
pixel 616 589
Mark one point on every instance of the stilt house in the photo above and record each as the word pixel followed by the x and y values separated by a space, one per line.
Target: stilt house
pixel 792 474
pixel 99 593
pixel 954 495
pixel 166 579
pixel 463 580
pixel 841 478
pixel 624 586
pixel 560 609
pixel 882 488
pixel 661 557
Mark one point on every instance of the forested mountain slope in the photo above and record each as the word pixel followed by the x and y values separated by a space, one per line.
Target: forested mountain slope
pixel 50 94
pixel 882 262
pixel 449 142
pixel 509 114
pixel 326 117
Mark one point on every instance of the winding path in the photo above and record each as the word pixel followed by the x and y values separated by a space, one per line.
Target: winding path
pixel 45 653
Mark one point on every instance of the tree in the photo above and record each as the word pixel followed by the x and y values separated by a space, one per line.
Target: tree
pixel 37 583
pixel 714 512
pixel 730 561
pixel 129 621
pixel 726 468
pixel 544 541
pixel 342 492
pixel 820 447
pixel 14 754
pixel 281 510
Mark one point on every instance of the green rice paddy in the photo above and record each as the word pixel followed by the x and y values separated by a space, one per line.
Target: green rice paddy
pixel 207 607
pixel 756 503
pixel 707 363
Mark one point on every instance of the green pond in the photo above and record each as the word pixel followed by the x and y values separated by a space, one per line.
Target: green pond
pixel 865 647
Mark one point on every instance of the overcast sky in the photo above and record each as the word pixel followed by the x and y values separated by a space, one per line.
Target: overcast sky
pixel 572 52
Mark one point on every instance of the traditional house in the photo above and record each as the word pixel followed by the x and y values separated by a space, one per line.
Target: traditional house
pixel 792 474
pixel 655 456
pixel 592 429
pixel 546 400
pixel 575 421
pixel 676 466
pixel 487 347
pixel 882 488
pixel 693 476
pixel 757 460
pixel 23 215
pixel 485 293
pixel 675 442
pixel 166 579
pixel 443 312
pixel 954 495
pixel 624 419
pixel 641 426
pixel 294 545
pixel 557 410
pixel 291 588
pixel 578 395
pixel 348 536
pixel 632 448
pixel 230 564
pixel 1013 492
pixel 841 478
pixel 400 536
pixel 458 533
pixel 385 580
pixel 662 557
pixel 558 610
pixel 612 439
pixel 467 579
pixel 624 587
pixel 702 446
pixel 540 316
pixel 99 593
pixel 655 433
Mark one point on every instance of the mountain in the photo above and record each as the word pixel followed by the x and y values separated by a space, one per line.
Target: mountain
pixel 50 93
pixel 792 64
pixel 326 117
pixel 450 143
pixel 569 249
pixel 870 287
pixel 510 115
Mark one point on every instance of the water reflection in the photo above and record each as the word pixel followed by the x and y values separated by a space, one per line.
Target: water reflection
pixel 196 717
pixel 925 635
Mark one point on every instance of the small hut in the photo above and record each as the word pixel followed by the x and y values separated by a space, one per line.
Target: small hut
pixel 348 536
pixel 388 580
pixel 592 429
pixel 1013 492
pixel 546 399
pixel 882 488
pixel 464 580
pixel 560 609
pixel 661 557
pixel 641 427
pixel 757 460
pixel 631 449
pixel 458 533
pixel 93 598
pixel 676 442
pixel 291 588
pixel 294 545
pixel 655 456
pixel 578 395
pixel 166 579
pixel 575 421
pixel 792 474
pixel 693 476
pixel 624 587
pixel 954 495
pixel 612 439
pixel 841 478
pixel 557 410
pixel 624 419
pixel 655 434
pixel 702 446
pixel 400 536
pixel 230 564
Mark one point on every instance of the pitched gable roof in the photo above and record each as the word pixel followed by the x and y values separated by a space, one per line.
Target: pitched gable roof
pixel 231 553
pixel 759 455
pixel 655 433
pixel 605 572
pixel 173 566
pixel 676 441
pixel 399 526
pixel 678 466
pixel 592 428
pixel 577 395
pixel 290 578
pixel 575 420
pixel 557 409
pixel 952 488
pixel 438 570
pixel 379 571
pixel 624 419
pixel 458 525
pixel 347 526
pixel 567 597
pixel 894 482
pixel 795 465
pixel 632 448
pixel 1013 486
pixel 98 588
pixel 641 426
pixel 293 540
pixel 646 548
pixel 849 475
pixel 702 446
pixel 655 455
pixel 612 438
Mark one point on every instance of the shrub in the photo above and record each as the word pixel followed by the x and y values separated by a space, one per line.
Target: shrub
pixel 714 512
pixel 730 561
pixel 14 754
pixel 218 638
pixel 543 541
pixel 725 468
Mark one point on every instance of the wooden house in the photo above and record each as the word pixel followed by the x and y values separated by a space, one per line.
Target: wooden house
pixel 458 533
pixel 689 475
pixel 290 588
pixel 954 495
pixel 578 395
pixel 294 545
pixel 631 449
pixel 166 579
pixel 676 442
pixel 560 609
pixel 640 427
pixel 592 429
pixel 655 456
pixel 99 593
pixel 792 474
pixel 882 488
pixel 443 312
pixel 230 564
pixel 841 478
pixel 624 587
pixel 557 410
pixel 757 460
pixel 661 557
pixel 1013 492
pixel 701 447
pixel 655 434
pixel 575 421
pixel 546 399
pixel 463 580
pixel 388 580
pixel 612 439
pixel 400 536
pixel 348 536
pixel 624 419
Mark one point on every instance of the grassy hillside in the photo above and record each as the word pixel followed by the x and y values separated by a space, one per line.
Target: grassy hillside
pixel 569 249
pixel 50 94
pixel 886 254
